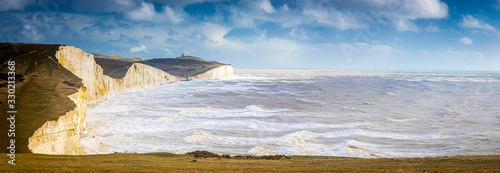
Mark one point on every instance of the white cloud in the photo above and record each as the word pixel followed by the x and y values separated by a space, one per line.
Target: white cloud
pixel 453 56
pixel 423 9
pixel 8 5
pixel 413 10
pixel 247 13
pixel 106 6
pixel 496 5
pixel 400 13
pixel 266 6
pixel 405 25
pixel 290 18
pixel 320 13
pixel 140 48
pixel 468 21
pixel 183 2
pixel 382 48
pixel 147 12
pixel 327 15
pixel 342 15
pixel 300 34
pixel 466 41
pixel 174 16
pixel 212 40
pixel 285 7
pixel 473 54
pixel 432 28
pixel 214 32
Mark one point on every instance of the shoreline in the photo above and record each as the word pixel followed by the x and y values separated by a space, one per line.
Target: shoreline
pixel 161 162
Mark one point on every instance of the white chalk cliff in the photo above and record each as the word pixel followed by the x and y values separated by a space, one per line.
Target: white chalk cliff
pixel 221 72
pixel 63 136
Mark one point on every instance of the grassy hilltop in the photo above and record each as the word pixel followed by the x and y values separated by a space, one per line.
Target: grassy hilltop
pixel 116 66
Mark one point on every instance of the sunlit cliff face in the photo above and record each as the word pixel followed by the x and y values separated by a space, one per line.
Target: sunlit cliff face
pixel 63 136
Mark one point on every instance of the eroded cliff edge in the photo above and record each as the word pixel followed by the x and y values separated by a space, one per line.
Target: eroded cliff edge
pixel 62 135
pixel 99 86
pixel 221 72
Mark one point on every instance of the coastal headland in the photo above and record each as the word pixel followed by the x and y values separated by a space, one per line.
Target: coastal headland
pixel 55 84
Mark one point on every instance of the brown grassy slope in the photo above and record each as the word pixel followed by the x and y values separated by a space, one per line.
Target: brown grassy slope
pixel 135 59
pixel 188 65
pixel 114 68
pixel 182 66
pixel 108 56
pixel 165 162
pixel 42 96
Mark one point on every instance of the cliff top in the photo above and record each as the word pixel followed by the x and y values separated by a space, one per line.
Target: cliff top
pixel 180 66
pixel 115 68
pixel 116 57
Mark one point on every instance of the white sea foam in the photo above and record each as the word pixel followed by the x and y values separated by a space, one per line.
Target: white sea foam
pixel 262 150
pixel 254 108
pixel 301 143
pixel 182 114
pixel 351 148
pixel 334 113
pixel 199 137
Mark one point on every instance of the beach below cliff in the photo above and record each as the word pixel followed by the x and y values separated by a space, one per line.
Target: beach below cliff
pixel 166 162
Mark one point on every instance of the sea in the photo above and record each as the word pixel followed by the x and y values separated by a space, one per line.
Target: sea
pixel 368 114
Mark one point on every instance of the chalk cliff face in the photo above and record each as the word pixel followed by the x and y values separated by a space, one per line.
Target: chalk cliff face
pixel 99 86
pixel 63 136
pixel 221 72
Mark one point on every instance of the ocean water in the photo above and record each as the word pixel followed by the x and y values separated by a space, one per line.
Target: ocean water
pixel 301 112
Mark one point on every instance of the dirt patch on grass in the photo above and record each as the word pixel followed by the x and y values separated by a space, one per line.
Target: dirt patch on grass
pixel 206 154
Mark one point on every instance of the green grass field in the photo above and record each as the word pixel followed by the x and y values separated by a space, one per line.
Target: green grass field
pixel 166 162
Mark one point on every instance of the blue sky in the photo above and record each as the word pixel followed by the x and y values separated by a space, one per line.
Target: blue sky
pixel 322 34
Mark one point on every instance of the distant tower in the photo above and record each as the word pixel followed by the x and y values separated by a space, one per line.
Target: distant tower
pixel 182 55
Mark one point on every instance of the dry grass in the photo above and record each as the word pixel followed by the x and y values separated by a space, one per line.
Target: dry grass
pixel 115 68
pixel 166 162
pixel 182 66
